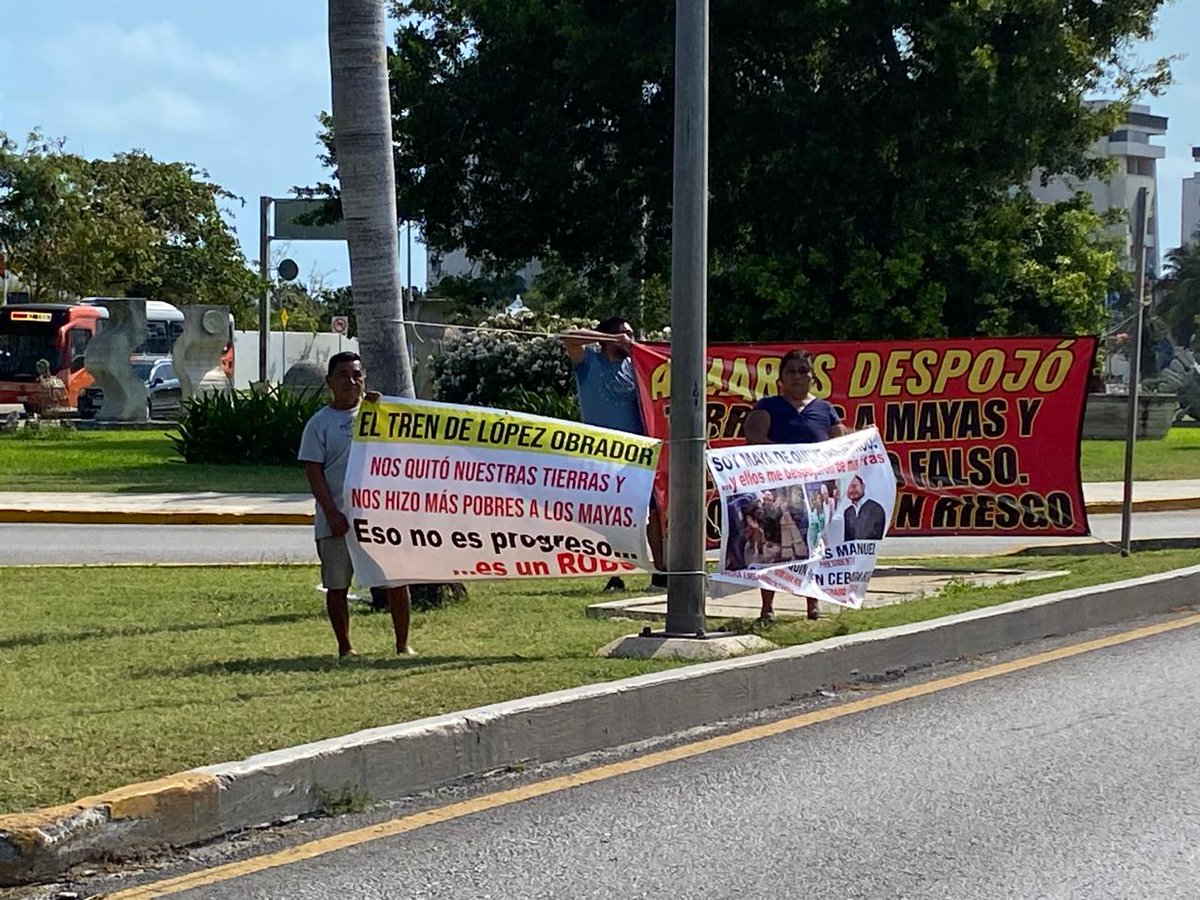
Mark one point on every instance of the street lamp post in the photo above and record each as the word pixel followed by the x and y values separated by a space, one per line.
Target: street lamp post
pixel 689 313
pixel 264 301
pixel 1135 365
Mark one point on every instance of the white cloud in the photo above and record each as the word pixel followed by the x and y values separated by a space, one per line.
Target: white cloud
pixel 155 108
pixel 159 77
pixel 162 51
pixel 130 75
pixel 102 49
pixel 306 60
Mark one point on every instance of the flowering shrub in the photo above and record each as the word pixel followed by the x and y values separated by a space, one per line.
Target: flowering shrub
pixel 499 366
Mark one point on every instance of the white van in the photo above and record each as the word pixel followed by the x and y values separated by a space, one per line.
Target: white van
pixel 164 323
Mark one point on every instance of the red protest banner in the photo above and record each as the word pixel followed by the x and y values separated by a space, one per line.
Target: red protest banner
pixel 983 433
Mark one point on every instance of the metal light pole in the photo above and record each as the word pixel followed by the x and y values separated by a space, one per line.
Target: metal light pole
pixel 264 302
pixel 689 330
pixel 1135 365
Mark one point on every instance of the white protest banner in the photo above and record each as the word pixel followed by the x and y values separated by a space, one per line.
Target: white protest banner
pixel 804 518
pixel 437 492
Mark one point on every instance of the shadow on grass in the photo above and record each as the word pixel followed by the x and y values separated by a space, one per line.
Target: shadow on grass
pixel 363 666
pixel 174 475
pixel 101 633
pixel 270 665
pixel 157 468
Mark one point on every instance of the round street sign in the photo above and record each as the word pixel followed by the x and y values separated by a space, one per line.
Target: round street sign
pixel 288 270
pixel 339 324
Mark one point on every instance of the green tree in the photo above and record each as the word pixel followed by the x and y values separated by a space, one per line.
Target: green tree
pixel 482 294
pixel 127 226
pixel 1179 308
pixel 645 302
pixel 305 310
pixel 858 155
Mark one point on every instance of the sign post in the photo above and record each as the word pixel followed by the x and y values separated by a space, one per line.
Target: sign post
pixel 283 317
pixel 340 325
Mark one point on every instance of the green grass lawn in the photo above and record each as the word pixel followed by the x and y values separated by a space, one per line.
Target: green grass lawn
pixel 114 675
pixel 127 461
pixel 1175 456
pixel 145 461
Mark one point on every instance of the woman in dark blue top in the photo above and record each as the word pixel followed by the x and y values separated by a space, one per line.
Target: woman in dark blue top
pixel 793 416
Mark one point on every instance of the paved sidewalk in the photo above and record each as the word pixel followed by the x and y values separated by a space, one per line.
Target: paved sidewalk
pixel 889 585
pixel 210 508
pixel 198 508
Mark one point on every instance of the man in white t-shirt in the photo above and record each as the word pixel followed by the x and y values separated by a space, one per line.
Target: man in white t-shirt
pixel 325 452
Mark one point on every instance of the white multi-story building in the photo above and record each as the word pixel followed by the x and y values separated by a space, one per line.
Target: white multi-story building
pixel 457 264
pixel 1136 161
pixel 1190 220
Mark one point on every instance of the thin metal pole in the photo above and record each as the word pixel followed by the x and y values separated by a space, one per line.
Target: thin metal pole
pixel 408 255
pixel 264 302
pixel 1135 366
pixel 689 330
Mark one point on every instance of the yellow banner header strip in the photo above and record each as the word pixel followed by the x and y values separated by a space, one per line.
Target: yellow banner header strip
pixel 397 420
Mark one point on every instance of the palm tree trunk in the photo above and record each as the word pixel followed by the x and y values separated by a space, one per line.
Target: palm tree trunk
pixel 362 128
pixel 362 135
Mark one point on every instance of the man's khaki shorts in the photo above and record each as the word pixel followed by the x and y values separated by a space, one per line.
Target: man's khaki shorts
pixel 336 568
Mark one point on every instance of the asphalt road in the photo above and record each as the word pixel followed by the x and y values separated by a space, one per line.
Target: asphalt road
pixel 1073 779
pixel 100 544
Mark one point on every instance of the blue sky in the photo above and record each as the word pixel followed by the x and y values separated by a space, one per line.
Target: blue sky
pixel 235 87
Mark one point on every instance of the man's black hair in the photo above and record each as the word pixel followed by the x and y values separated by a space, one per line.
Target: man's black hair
pixel 612 325
pixel 338 358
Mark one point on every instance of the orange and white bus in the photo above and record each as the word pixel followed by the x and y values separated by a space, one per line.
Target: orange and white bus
pixel 56 332
pixel 59 333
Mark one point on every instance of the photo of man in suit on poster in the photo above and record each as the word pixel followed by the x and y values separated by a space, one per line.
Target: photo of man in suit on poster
pixel 864 519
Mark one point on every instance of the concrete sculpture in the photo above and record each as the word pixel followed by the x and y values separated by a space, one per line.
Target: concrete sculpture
pixel 198 351
pixel 107 360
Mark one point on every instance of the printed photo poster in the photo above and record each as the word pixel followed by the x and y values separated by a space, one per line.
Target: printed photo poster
pixel 437 492
pixel 804 518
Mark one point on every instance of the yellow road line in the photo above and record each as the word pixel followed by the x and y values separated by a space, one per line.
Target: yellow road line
pixel 615 770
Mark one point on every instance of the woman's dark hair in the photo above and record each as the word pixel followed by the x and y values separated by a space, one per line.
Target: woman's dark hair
pixel 797 354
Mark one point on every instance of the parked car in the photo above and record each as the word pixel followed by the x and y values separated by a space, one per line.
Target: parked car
pixel 163 393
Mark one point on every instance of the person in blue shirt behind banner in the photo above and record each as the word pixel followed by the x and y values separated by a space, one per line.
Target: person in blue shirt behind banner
pixel 793 416
pixel 608 398
pixel 325 452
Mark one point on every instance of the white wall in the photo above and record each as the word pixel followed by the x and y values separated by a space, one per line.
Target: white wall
pixel 283 350
pixel 1191 209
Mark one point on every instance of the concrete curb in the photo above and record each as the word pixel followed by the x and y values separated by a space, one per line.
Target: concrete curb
pixel 14 516
pixel 1173 504
pixel 149 517
pixel 396 761
pixel 176 810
